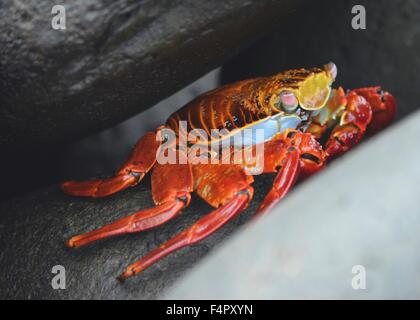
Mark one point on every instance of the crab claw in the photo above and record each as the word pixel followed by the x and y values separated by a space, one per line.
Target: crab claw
pixel 383 105
pixel 353 124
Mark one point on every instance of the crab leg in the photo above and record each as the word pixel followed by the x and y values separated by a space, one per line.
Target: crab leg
pixel 283 182
pixel 171 187
pixel 298 155
pixel 200 230
pixel 140 161
pixel 139 221
pixel 225 187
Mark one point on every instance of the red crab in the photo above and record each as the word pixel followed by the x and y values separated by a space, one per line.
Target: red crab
pixel 303 123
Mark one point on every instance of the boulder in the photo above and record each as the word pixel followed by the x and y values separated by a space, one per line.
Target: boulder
pixel 113 60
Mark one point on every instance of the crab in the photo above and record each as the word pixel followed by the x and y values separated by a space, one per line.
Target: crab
pixel 302 121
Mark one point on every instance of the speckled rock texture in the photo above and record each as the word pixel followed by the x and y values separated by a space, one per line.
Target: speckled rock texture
pixel 115 59
pixel 33 230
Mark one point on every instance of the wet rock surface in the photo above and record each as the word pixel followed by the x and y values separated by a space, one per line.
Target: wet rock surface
pixel 115 59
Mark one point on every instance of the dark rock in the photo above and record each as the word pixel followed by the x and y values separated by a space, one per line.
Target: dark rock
pixel 387 53
pixel 115 59
pixel 33 230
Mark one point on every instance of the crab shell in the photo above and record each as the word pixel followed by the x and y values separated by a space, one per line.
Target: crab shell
pixel 256 104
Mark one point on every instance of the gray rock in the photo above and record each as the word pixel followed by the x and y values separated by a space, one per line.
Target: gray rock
pixel 115 59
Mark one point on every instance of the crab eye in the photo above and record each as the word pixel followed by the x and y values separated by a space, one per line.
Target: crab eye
pixel 332 69
pixel 288 101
